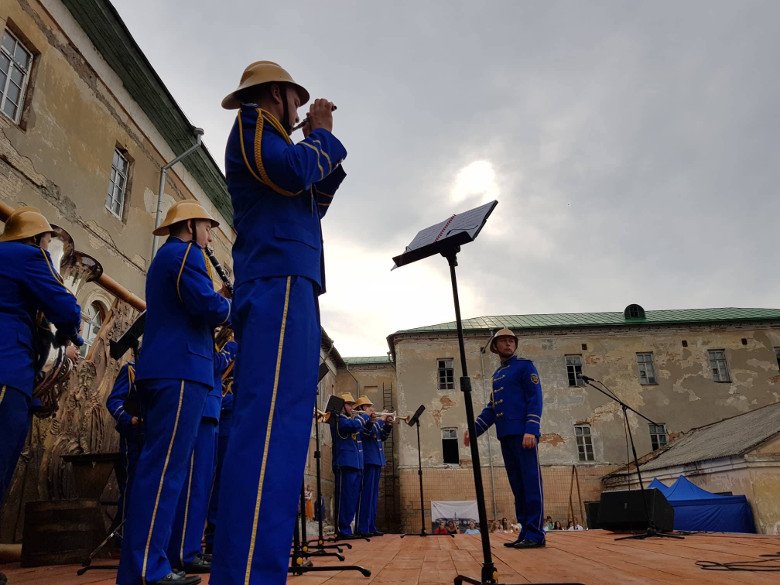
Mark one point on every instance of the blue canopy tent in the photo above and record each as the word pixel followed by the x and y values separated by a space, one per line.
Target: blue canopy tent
pixel 699 510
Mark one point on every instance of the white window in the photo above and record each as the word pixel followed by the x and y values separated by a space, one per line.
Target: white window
pixel 15 63
pixel 646 368
pixel 584 442
pixel 93 317
pixel 574 369
pixel 117 184
pixel 718 365
pixel 446 374
pixel 658 436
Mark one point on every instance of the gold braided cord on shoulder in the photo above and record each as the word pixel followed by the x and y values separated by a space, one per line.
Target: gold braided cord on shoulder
pixel 181 269
pixel 261 118
pixel 243 149
pixel 131 375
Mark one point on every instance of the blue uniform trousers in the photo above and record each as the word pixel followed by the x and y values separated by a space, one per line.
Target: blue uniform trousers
pixel 130 447
pixel 278 333
pixel 172 411
pixel 525 479
pixel 369 496
pixel 347 497
pixel 225 422
pixel 193 505
pixel 14 423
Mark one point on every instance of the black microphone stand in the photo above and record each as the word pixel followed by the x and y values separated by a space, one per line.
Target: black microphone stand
pixel 415 421
pixel 651 529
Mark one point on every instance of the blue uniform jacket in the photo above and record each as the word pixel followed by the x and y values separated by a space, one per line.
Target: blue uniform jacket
pixel 347 442
pixel 182 311
pixel 115 402
pixel 222 359
pixel 374 436
pixel 516 401
pixel 280 191
pixel 29 283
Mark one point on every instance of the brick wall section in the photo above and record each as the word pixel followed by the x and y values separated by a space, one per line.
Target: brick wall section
pixel 457 483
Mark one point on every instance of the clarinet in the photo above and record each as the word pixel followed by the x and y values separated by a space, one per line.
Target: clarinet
pixel 218 267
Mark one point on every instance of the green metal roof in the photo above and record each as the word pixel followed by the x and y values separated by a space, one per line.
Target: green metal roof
pixel 611 319
pixel 105 28
pixel 368 360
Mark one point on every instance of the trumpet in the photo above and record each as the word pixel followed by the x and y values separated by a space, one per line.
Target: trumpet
pixel 306 119
pixel 392 415
pixel 321 415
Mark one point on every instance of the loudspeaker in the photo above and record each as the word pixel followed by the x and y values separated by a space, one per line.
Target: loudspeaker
pixel 625 511
pixel 592 515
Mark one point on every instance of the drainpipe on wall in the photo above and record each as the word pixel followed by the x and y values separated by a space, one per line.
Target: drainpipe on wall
pixel 357 384
pixel 489 442
pixel 163 175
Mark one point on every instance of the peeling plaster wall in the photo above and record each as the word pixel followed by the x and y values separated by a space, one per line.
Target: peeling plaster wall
pixel 59 157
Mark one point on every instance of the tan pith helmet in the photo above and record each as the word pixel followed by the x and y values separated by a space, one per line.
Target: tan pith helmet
pixel 260 73
pixel 182 211
pixel 25 222
pixel 363 401
pixel 347 398
pixel 504 332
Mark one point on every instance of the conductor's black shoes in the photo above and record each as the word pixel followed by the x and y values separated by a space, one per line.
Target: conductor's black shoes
pixel 513 543
pixel 176 579
pixel 525 543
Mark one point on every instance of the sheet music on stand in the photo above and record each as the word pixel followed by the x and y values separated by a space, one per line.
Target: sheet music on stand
pixel 458 229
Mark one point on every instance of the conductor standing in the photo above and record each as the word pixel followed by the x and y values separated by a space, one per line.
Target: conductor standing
pixel 280 190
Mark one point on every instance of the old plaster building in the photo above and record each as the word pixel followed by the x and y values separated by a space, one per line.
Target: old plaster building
pixel 680 368
pixel 85 127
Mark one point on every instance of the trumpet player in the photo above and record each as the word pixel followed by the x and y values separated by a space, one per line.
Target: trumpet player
pixel 174 374
pixel 29 287
pixel 374 434
pixel 346 432
pixel 280 191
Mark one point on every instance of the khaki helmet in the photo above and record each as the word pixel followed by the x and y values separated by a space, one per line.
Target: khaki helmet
pixel 260 73
pixel 348 398
pixel 182 211
pixel 363 401
pixel 504 332
pixel 25 222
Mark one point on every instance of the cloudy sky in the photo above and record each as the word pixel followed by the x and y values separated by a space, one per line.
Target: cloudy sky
pixel 633 147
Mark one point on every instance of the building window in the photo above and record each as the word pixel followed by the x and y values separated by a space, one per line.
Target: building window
pixel 449 446
pixel 777 355
pixel 93 317
pixel 15 63
pixel 658 436
pixel 117 184
pixel 718 365
pixel 446 374
pixel 574 369
pixel 584 442
pixel 646 368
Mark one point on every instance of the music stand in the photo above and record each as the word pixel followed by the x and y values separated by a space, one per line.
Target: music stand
pixel 446 238
pixel 129 339
pixel 415 421
pixel 651 529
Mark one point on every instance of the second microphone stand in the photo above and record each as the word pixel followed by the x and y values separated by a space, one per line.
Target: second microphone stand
pixel 652 529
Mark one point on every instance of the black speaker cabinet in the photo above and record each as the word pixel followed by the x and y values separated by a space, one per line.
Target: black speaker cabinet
pixel 592 514
pixel 624 511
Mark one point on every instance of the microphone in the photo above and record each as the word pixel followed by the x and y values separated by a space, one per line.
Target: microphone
pixel 586 378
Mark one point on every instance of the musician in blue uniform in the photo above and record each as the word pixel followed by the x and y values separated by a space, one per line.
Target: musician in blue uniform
pixel 373 437
pixel 346 433
pixel 280 190
pixel 130 429
pixel 30 288
pixel 174 374
pixel 184 548
pixel 515 408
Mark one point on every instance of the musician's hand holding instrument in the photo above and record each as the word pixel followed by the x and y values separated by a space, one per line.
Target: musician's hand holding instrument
pixel 320 116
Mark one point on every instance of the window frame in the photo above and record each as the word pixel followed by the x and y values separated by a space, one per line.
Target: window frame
pixel 453 446
pixel 85 351
pixel 718 375
pixel 642 366
pixel 584 442
pixel 655 435
pixel 575 369
pixel 777 356
pixel 445 375
pixel 26 74
pixel 110 199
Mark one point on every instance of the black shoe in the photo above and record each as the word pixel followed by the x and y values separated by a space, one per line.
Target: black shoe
pixel 376 533
pixel 205 556
pixel 198 565
pixel 176 579
pixel 526 543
